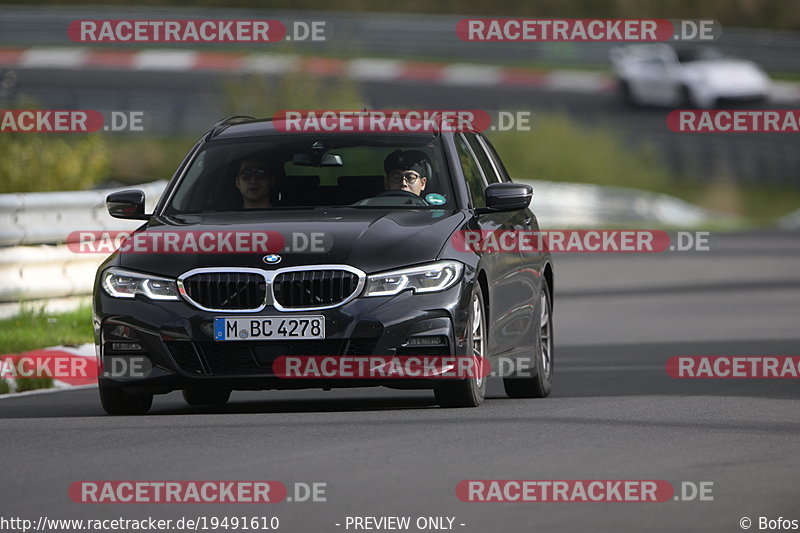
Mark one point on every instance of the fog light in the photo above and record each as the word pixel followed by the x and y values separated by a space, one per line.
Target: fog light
pixel 432 340
pixel 126 347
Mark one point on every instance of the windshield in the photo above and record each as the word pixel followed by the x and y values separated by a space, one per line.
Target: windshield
pixel 698 53
pixel 305 171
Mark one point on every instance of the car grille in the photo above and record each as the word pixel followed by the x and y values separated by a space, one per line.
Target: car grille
pixel 242 358
pixel 227 290
pixel 313 288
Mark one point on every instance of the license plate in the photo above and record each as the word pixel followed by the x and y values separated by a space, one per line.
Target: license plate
pixel 252 328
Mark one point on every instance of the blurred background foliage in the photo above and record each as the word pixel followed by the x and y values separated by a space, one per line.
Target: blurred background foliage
pixel 34 162
pixel 257 97
pixel 558 148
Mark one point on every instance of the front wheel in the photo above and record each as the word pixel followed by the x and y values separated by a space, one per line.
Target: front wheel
pixel 469 392
pixel 689 100
pixel 626 94
pixel 116 401
pixel 540 385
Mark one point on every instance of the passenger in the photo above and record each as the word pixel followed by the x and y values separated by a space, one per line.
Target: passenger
pixel 407 170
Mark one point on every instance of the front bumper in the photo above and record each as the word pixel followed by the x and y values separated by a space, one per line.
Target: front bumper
pixel 178 349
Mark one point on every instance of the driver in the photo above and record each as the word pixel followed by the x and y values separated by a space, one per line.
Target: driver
pixel 407 170
pixel 256 181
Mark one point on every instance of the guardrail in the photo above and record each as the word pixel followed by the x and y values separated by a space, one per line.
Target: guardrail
pixel 558 205
pixel 51 270
pixel 48 217
pixel 35 264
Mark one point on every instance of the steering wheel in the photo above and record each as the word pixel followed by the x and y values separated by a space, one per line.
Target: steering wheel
pixel 410 195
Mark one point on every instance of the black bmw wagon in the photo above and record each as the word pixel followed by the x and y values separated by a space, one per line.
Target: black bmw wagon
pixel 270 248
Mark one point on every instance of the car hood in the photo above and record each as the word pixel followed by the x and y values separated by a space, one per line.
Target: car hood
pixel 727 71
pixel 369 239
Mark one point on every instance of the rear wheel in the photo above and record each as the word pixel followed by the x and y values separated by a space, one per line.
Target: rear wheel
pixel 116 401
pixel 469 392
pixel 206 396
pixel 540 385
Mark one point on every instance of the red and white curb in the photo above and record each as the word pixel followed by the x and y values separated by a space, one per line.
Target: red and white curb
pixel 362 69
pixel 86 351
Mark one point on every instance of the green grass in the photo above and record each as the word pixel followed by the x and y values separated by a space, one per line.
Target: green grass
pixel 561 149
pixel 259 97
pixel 141 159
pixel 34 328
pixel 36 162
pixel 756 206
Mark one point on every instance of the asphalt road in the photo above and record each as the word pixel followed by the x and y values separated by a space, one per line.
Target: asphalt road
pixel 614 414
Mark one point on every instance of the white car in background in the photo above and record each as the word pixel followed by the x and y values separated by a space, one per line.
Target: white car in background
pixel 696 76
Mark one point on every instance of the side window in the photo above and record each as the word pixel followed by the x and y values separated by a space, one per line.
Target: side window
pixel 483 159
pixel 182 199
pixel 498 163
pixel 472 172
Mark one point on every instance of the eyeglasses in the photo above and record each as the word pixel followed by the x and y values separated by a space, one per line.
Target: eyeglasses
pixel 399 177
pixel 253 173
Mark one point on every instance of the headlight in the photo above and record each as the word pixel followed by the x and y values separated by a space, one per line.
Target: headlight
pixel 432 277
pixel 126 284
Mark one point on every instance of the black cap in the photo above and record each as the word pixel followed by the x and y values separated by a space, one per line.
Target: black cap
pixel 415 160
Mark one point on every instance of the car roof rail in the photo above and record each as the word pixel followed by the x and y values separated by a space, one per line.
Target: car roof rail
pixel 220 126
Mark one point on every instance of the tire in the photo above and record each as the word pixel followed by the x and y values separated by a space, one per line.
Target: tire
pixel 625 94
pixel 206 396
pixel 540 385
pixel 469 392
pixel 116 401
pixel 687 100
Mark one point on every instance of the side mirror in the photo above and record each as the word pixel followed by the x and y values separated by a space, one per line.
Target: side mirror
pixel 506 197
pixel 126 204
